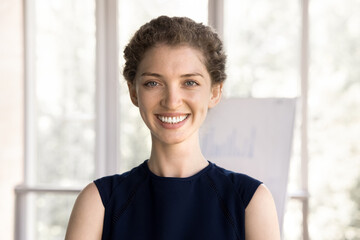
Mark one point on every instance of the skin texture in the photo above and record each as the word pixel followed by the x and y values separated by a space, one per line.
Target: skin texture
pixel 173 81
pixel 261 221
pixel 87 216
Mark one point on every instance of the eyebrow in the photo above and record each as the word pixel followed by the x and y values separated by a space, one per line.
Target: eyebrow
pixel 192 75
pixel 150 74
pixel 183 75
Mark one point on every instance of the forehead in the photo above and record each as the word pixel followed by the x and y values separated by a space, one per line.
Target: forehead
pixel 172 59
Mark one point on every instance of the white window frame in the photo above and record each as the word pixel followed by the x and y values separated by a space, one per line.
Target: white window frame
pixel 304 77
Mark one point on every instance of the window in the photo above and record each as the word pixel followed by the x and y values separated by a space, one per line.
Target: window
pixel 60 114
pixel 64 79
pixel 262 42
pixel 263 61
pixel 334 117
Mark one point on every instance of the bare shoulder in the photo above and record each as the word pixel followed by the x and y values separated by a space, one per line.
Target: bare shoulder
pixel 261 221
pixel 86 220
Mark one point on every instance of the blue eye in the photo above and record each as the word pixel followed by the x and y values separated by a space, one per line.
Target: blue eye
pixel 191 83
pixel 151 84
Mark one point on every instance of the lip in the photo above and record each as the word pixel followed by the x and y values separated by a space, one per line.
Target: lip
pixel 172 125
pixel 172 114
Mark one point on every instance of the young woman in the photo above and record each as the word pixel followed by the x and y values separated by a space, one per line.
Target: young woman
pixel 175 73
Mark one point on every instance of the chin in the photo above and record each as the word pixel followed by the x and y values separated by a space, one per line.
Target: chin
pixel 168 140
pixel 172 141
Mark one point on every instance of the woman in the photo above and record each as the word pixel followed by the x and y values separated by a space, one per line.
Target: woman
pixel 175 73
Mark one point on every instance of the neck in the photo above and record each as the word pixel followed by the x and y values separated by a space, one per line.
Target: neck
pixel 176 160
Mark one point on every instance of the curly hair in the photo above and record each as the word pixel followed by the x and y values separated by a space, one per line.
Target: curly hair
pixel 176 31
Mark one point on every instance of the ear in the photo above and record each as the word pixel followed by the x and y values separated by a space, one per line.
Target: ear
pixel 216 92
pixel 133 93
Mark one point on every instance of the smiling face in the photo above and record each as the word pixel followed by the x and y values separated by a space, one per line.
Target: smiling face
pixel 173 91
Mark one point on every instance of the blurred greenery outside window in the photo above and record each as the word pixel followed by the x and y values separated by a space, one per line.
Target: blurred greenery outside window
pixel 63 38
pixel 334 119
pixel 262 40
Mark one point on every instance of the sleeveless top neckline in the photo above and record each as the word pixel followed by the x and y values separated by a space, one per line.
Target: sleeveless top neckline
pixel 209 205
pixel 145 166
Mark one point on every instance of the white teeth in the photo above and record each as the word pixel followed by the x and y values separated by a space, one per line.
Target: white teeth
pixel 172 120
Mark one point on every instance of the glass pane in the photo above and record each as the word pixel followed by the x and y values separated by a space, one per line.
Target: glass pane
pixel 134 135
pixel 262 42
pixel 334 119
pixel 50 215
pixel 292 228
pixel 65 90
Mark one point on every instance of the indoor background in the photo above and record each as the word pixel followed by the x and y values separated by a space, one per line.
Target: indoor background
pixel 66 118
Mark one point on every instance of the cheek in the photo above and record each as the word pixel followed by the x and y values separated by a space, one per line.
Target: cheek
pixel 145 115
pixel 142 111
pixel 144 107
pixel 144 98
pixel 201 101
pixel 147 103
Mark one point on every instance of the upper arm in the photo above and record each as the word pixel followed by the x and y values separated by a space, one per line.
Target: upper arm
pixel 86 220
pixel 261 221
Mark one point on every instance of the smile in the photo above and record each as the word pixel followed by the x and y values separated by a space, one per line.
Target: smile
pixel 172 120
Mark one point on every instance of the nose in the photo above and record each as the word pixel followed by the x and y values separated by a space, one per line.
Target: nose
pixel 172 98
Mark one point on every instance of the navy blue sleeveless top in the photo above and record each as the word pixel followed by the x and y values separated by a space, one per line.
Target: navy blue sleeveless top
pixel 209 205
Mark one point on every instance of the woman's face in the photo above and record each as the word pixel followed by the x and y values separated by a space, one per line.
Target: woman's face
pixel 173 91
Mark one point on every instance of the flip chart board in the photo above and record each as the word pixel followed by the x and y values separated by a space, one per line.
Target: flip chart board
pixel 252 136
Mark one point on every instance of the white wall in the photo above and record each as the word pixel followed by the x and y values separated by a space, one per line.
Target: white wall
pixel 11 110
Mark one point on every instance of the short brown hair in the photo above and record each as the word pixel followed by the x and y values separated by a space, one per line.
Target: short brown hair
pixel 176 31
